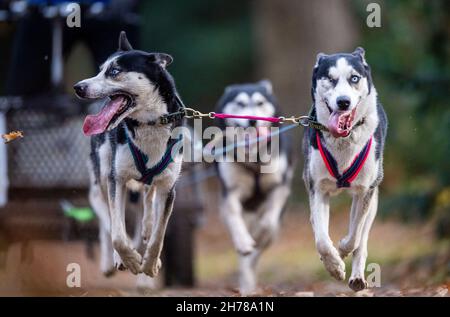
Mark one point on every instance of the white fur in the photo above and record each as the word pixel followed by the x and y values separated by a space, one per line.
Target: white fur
pixel 108 197
pixel 342 72
pixel 344 150
pixel 254 105
pixel 252 232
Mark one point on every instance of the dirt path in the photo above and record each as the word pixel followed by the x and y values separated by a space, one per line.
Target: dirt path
pixel 291 267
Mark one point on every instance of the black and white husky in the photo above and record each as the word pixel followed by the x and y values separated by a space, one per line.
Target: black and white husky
pixel 131 141
pixel 253 201
pixel 347 156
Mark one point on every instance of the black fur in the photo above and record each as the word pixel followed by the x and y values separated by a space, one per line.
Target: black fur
pixel 327 61
pixel 380 132
pixel 96 142
pixel 147 65
pixel 151 66
pixel 324 62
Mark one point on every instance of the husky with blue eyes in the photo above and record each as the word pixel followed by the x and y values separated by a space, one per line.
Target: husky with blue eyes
pixel 346 155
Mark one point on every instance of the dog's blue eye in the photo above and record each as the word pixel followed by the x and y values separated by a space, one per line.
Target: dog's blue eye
pixel 114 72
pixel 259 103
pixel 240 104
pixel 354 79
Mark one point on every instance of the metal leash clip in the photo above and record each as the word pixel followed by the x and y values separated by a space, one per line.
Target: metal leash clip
pixel 195 114
pixel 304 121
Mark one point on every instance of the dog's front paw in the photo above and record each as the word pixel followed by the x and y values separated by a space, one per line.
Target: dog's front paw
pixel 248 290
pixel 109 271
pixel 265 233
pixel 334 264
pixel 128 259
pixel 345 248
pixel 145 283
pixel 152 267
pixel 107 266
pixel 133 262
pixel 246 245
pixel 118 263
pixel 358 284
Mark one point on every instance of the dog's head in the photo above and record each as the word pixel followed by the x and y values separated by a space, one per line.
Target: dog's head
pixel 136 84
pixel 254 99
pixel 340 85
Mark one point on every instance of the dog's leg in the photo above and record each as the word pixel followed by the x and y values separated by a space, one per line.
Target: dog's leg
pixel 130 257
pixel 164 206
pixel 320 214
pixel 137 209
pixel 232 214
pixel 357 281
pixel 142 235
pixel 106 252
pixel 247 272
pixel 265 229
pixel 100 206
pixel 147 221
pixel 360 207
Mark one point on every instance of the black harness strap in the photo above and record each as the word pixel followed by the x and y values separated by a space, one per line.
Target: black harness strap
pixel 141 159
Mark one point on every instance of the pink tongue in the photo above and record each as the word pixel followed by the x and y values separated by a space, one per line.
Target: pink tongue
pixel 333 125
pixel 263 131
pixel 95 124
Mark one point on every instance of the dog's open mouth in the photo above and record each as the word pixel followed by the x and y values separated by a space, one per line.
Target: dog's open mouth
pixel 262 134
pixel 115 109
pixel 340 123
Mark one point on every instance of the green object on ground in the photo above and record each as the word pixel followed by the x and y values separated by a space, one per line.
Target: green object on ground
pixel 84 214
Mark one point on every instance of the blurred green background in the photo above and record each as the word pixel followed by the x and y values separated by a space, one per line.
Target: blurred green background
pixel 216 43
pixel 222 42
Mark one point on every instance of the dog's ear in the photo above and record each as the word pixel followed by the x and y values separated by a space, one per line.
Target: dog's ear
pixel 124 45
pixel 359 51
pixel 318 58
pixel 228 89
pixel 162 59
pixel 267 85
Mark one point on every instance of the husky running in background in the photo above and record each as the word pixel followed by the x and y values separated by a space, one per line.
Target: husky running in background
pixel 252 201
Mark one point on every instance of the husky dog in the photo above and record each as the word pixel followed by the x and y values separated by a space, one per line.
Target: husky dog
pixel 131 141
pixel 346 156
pixel 253 201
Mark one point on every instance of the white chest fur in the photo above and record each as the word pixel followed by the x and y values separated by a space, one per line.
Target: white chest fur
pixel 241 180
pixel 151 141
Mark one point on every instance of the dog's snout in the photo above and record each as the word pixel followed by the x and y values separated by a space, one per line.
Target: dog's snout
pixel 80 89
pixel 252 123
pixel 343 102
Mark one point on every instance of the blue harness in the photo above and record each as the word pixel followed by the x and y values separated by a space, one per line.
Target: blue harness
pixel 141 159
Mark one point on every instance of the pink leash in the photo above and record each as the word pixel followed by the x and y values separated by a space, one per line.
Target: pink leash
pixel 234 116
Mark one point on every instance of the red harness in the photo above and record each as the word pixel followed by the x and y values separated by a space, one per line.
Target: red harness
pixel 348 176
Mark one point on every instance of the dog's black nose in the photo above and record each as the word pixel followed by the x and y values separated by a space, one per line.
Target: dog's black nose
pixel 80 89
pixel 343 102
pixel 252 123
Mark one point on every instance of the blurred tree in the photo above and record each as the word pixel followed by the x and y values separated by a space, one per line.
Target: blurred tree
pixel 290 34
pixel 211 42
pixel 409 56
